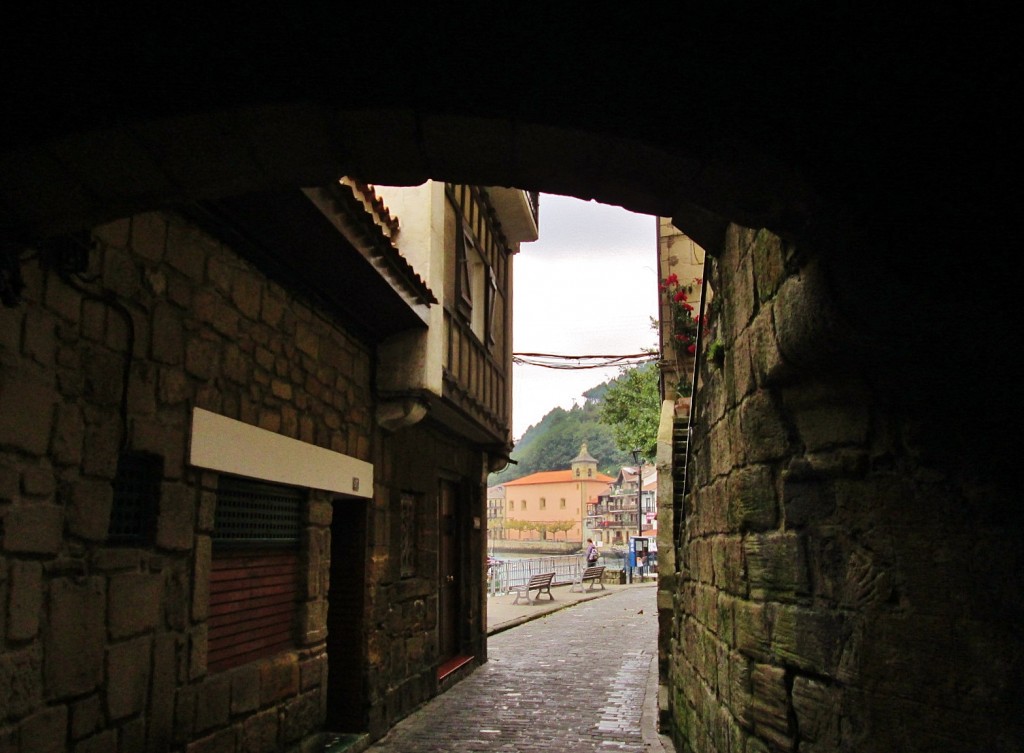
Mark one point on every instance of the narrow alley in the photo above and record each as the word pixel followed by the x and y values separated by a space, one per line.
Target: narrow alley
pixel 583 679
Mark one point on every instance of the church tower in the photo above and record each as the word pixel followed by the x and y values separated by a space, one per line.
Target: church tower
pixel 583 465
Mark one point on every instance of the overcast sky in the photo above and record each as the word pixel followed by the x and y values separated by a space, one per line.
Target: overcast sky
pixel 588 285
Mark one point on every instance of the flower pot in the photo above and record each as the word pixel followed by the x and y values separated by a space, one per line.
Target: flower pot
pixel 683 406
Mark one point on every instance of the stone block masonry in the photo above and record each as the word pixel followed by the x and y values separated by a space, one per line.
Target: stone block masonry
pixel 830 592
pixel 103 646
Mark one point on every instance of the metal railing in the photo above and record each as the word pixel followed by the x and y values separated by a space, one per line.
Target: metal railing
pixel 503 574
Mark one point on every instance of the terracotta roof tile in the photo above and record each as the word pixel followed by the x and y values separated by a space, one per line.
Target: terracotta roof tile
pixel 369 218
pixel 556 477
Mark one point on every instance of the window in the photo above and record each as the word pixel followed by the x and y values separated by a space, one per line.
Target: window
pixel 561 503
pixel 463 272
pixel 492 297
pixel 136 498
pixel 523 505
pixel 577 473
pixel 511 505
pixel 408 543
pixel 543 503
pixel 254 573
pixel 590 472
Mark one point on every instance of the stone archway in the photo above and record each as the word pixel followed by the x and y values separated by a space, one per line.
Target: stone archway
pixel 677 130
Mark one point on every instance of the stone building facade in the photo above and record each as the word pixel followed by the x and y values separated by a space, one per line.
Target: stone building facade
pixel 888 173
pixel 152 369
pixel 842 566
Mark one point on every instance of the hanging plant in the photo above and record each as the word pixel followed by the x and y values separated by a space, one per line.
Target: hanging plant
pixel 685 322
pixel 716 352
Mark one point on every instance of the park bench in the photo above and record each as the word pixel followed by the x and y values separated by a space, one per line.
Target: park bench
pixel 595 574
pixel 539 583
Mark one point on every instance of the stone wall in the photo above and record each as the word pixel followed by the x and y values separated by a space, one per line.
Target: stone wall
pixel 402 613
pixel 104 647
pixel 849 575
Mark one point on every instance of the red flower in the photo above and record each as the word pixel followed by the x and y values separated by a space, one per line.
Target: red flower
pixel 691 349
pixel 679 296
pixel 699 280
pixel 672 279
pixel 688 307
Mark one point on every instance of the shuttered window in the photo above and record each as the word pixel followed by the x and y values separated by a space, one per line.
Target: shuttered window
pixel 254 575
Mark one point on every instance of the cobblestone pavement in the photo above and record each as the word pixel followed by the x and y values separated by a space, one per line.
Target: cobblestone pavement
pixel 574 680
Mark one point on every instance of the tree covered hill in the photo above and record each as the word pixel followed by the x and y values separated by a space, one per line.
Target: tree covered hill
pixel 552 444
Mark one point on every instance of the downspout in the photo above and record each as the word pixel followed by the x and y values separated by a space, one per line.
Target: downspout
pixel 677 517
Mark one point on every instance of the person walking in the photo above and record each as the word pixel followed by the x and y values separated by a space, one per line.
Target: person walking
pixel 591 553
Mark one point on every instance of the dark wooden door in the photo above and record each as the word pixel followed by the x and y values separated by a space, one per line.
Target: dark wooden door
pixel 448 568
pixel 346 694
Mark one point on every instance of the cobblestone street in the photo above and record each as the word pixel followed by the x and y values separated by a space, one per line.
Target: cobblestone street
pixel 575 680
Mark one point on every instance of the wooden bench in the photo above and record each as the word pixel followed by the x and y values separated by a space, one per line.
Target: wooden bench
pixel 594 574
pixel 539 583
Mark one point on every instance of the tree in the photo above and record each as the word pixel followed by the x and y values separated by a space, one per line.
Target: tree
pixel 561 526
pixel 631 407
pixel 552 443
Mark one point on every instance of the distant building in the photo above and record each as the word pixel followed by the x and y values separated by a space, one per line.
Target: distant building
pixel 496 513
pixel 556 501
pixel 614 518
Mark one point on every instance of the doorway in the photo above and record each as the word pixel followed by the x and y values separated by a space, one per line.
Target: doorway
pixel 346 694
pixel 448 570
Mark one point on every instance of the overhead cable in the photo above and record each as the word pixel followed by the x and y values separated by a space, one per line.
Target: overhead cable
pixel 567 362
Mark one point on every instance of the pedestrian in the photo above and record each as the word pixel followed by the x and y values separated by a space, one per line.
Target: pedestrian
pixel 591 553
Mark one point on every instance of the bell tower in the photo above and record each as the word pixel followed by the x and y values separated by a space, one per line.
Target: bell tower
pixel 584 465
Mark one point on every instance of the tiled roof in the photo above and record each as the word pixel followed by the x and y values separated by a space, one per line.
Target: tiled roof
pixel 370 220
pixel 375 205
pixel 584 456
pixel 556 477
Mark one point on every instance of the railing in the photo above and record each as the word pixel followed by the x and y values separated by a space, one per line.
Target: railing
pixel 503 574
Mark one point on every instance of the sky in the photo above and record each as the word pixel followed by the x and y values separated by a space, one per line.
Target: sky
pixel 588 285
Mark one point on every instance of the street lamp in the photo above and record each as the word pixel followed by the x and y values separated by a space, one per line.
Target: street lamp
pixel 639 460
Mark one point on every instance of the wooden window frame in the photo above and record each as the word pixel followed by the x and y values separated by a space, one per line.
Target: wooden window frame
pixel 463 278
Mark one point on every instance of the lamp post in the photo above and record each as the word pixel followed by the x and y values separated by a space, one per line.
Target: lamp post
pixel 638 459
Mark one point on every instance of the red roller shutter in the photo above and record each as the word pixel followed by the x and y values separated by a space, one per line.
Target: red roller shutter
pixel 254 573
pixel 252 606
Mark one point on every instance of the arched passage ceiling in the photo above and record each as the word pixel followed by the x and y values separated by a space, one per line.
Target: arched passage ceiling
pixel 877 138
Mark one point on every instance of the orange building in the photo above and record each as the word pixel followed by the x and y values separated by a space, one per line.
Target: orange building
pixel 556 501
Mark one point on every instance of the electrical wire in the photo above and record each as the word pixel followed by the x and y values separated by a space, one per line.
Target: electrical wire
pixel 573 363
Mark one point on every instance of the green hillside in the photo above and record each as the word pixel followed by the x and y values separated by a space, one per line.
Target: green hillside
pixel 556 440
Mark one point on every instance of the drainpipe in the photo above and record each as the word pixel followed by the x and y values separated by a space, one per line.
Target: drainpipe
pixel 677 518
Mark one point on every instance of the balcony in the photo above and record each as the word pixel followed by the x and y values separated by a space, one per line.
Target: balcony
pixel 517 212
pixel 474 380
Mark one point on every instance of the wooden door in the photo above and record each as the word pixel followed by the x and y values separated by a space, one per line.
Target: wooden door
pixel 347 705
pixel 448 569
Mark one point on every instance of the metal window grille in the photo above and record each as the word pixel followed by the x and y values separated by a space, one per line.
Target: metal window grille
pixel 408 535
pixel 136 497
pixel 257 513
